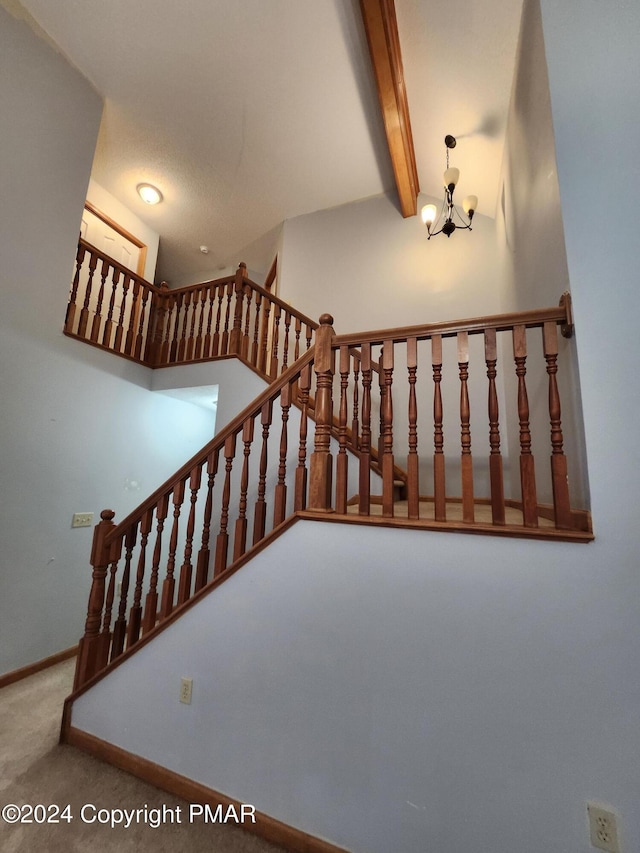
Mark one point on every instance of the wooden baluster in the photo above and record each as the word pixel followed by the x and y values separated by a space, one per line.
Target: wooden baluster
pixel 130 341
pixel 189 348
pixel 439 492
pixel 157 320
pixel 173 351
pixel 309 336
pixel 355 421
pixel 215 350
pixel 108 326
pixel 89 645
pixel 115 552
pixel 186 570
pixel 285 352
pixel 222 539
pixel 182 344
pixel 260 515
pixel 240 538
pixel 321 462
pixel 300 498
pixel 559 476
pixel 120 626
pixel 298 327
pixel 273 367
pixel 364 486
pixel 266 317
pixel 527 464
pixel 165 352
pixel 84 313
pixel 151 601
pixel 117 344
pixel 280 499
pixel 97 317
pixel 206 348
pixel 342 460
pixel 197 350
pixel 495 457
pixel 143 316
pixel 202 571
pixel 387 430
pixel 169 584
pixel 381 393
pixel 235 339
pixel 255 348
pixel 413 489
pixel 466 461
pixel 224 349
pixel 246 340
pixel 135 614
pixel 73 296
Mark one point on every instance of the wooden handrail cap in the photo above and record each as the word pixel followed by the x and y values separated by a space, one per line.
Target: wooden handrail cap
pixel 326 320
pixel 107 515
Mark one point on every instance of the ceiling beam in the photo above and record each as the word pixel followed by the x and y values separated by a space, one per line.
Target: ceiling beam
pixel 379 17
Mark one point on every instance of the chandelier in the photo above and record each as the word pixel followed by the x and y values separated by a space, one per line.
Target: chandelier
pixel 444 224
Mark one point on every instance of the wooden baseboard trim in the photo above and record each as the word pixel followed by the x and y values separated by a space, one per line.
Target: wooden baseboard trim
pixel 266 827
pixel 32 668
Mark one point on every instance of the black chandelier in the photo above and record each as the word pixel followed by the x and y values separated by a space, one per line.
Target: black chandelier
pixel 449 210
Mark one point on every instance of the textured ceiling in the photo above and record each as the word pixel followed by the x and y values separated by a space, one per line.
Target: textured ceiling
pixel 250 112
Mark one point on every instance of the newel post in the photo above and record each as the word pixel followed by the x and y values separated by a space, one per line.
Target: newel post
pixel 235 339
pixel 89 646
pixel 321 462
pixel 158 314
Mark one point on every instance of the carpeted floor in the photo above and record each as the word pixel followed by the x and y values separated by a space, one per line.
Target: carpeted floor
pixel 35 769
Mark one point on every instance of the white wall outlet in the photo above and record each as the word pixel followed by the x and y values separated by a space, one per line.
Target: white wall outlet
pixel 603 828
pixel 186 685
pixel 82 519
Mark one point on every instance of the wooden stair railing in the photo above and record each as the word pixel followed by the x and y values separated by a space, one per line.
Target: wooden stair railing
pixel 259 471
pixel 112 308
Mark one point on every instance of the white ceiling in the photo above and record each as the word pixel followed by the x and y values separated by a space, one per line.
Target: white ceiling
pixel 248 112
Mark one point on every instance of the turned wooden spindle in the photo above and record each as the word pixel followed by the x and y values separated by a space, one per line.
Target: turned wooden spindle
pixel 222 539
pixel 260 513
pixel 157 319
pixel 355 421
pixel 84 313
pixel 140 338
pixel 321 462
pixel 206 346
pixel 117 344
pixel 89 645
pixel 439 483
pixel 215 347
pixel 182 343
pixel 97 317
pixel 527 464
pixel 202 571
pixel 364 480
pixel 115 552
pixel 280 497
pixel 175 337
pixel 413 489
pixel 466 462
pixel 189 348
pixel 135 614
pixel 130 340
pixel 120 625
pixel 559 475
pixel 255 346
pixel 165 353
pixel 71 307
pixel 186 570
pixel 304 385
pixel 275 334
pixel 342 460
pixel 199 342
pixel 495 456
pixel 108 326
pixel 235 339
pixel 298 330
pixel 246 336
pixel 224 340
pixel 387 430
pixel 169 583
pixel 264 337
pixel 151 602
pixel 285 350
pixel 240 536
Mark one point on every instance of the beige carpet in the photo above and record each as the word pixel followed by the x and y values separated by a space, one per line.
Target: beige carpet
pixel 34 768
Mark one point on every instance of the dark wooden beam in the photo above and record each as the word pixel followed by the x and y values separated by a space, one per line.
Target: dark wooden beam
pixel 379 17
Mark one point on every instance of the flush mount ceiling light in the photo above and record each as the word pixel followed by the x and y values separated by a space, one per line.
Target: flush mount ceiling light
pixel 149 194
pixel 449 210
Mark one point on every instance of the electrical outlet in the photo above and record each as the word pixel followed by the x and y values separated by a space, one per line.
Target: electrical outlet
pixel 82 519
pixel 186 685
pixel 603 828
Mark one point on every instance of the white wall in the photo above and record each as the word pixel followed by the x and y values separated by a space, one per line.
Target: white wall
pixel 435 686
pixel 109 205
pixel 79 429
pixel 372 269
